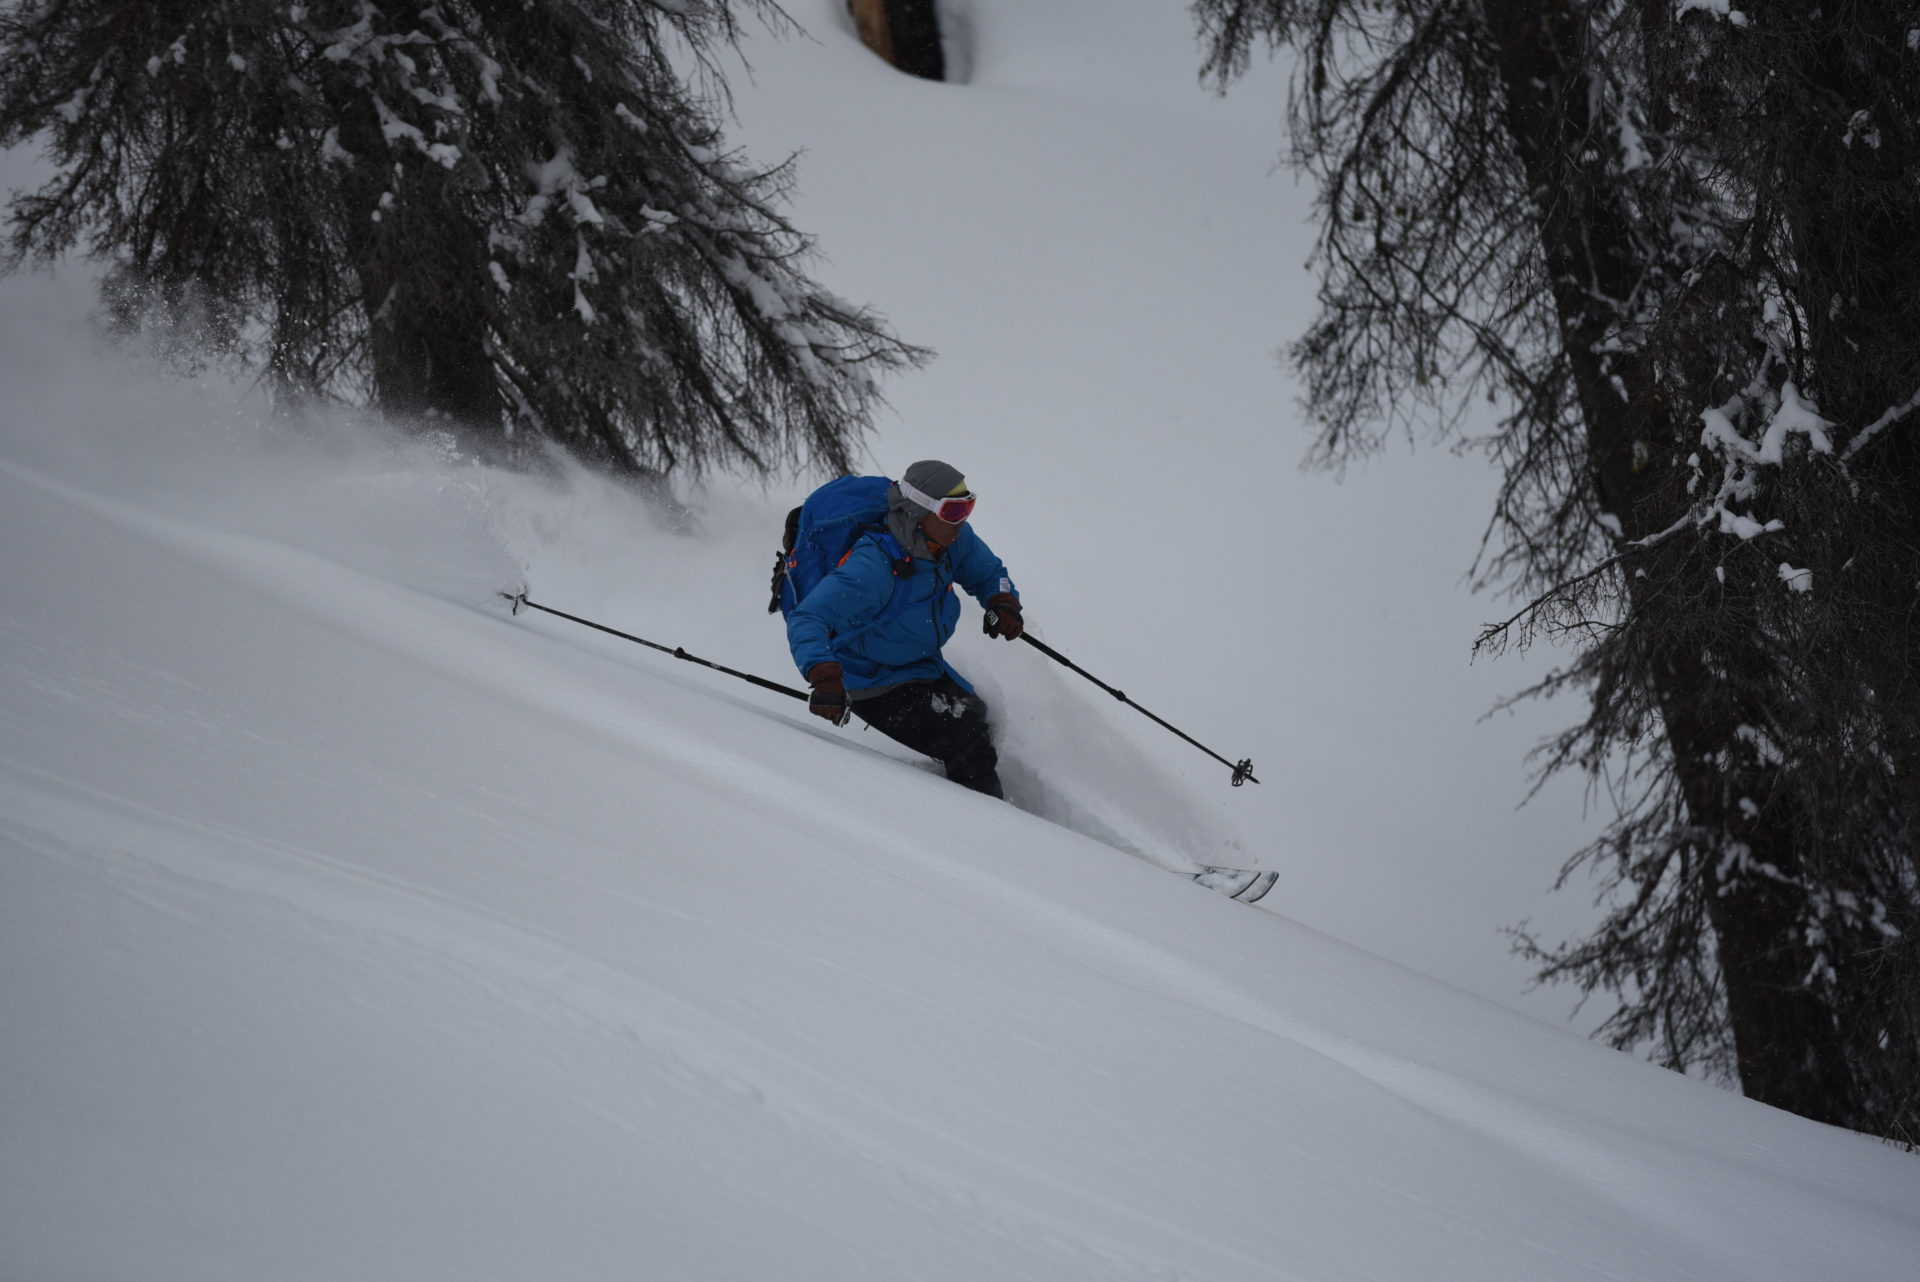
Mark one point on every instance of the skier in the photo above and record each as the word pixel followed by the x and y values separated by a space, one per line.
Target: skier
pixel 868 638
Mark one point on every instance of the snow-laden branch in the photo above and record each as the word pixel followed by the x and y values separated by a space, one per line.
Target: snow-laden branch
pixel 1879 425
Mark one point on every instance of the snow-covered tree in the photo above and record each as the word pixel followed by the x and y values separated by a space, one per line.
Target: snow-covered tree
pixel 519 214
pixel 1662 240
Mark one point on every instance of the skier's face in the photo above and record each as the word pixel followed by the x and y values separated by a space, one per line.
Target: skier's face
pixel 939 533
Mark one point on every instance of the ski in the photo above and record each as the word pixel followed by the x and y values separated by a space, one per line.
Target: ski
pixel 1244 884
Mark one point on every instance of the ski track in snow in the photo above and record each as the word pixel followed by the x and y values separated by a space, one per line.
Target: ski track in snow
pixel 360 909
pixel 192 870
pixel 175 866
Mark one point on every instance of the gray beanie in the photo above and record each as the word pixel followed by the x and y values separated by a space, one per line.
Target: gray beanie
pixel 935 480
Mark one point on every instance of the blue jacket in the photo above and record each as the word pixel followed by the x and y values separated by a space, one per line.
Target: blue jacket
pixel 884 622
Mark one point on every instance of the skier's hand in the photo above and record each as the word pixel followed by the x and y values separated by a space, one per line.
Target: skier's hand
pixel 1003 617
pixel 829 693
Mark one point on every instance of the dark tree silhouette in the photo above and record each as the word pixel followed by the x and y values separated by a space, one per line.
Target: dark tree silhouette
pixel 1665 247
pixel 517 215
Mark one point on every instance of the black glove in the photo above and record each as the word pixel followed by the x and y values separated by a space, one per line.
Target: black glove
pixel 829 693
pixel 1003 617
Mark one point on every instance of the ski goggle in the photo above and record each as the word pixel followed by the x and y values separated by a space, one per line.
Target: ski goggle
pixel 953 509
pixel 956 509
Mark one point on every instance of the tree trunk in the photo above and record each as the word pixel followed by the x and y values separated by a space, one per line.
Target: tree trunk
pixel 1784 1037
pixel 1851 206
pixel 904 32
pixel 424 302
pixel 1847 190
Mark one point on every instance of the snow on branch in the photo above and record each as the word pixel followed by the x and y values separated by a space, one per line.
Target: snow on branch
pixel 1881 424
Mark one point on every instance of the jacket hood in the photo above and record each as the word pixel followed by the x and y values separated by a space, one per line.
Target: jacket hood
pixel 903 523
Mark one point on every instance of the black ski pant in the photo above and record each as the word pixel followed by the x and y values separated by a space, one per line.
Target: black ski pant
pixel 940 719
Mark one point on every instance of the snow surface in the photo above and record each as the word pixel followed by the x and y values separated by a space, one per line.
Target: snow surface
pixel 351 927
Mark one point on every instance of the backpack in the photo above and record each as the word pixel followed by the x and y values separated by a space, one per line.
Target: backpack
pixel 820 533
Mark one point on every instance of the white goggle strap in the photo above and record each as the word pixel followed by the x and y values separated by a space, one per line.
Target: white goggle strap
pixel 915 496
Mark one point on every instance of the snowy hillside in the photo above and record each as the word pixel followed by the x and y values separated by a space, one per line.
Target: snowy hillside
pixel 351 927
pixel 356 930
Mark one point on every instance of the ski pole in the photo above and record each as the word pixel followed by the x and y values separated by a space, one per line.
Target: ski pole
pixel 1242 770
pixel 520 598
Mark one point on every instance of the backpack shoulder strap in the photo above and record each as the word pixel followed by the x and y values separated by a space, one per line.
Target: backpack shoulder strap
pixel 902 566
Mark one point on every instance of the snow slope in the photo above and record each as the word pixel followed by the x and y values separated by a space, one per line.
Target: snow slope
pixel 357 930
pixel 351 927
